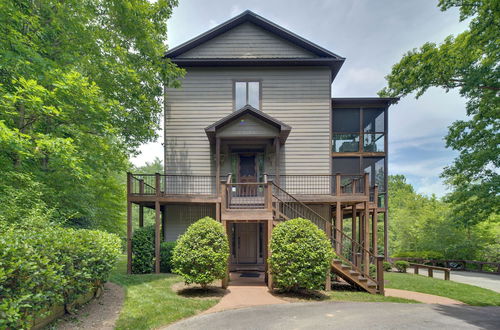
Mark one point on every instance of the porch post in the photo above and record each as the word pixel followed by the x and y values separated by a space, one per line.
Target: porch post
pixel 277 160
pixel 366 238
pixel 141 216
pixel 338 228
pixel 129 225
pixel 225 280
pixel 269 234
pixel 386 233
pixel 354 232
pixel 217 165
pixel 374 231
pixel 164 222
pixel 157 237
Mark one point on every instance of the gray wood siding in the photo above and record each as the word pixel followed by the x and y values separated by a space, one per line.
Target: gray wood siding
pixel 180 216
pixel 247 41
pixel 298 96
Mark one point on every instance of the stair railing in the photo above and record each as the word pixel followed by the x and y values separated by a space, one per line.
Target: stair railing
pixel 286 207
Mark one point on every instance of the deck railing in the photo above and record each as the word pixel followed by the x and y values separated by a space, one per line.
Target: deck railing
pixel 323 184
pixel 172 184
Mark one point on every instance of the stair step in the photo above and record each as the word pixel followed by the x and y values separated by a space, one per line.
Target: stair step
pixel 363 279
pixel 354 273
pixel 344 267
pixel 337 262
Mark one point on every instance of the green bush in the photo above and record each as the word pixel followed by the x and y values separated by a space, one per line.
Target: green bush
pixel 41 267
pixel 387 266
pixel 300 255
pixel 143 250
pixel 202 252
pixel 166 252
pixel 401 265
pixel 373 271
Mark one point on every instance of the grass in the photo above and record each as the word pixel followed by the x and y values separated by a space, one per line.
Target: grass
pixel 150 301
pixel 357 296
pixel 469 294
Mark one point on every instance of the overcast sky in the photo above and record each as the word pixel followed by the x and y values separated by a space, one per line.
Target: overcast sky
pixel 372 36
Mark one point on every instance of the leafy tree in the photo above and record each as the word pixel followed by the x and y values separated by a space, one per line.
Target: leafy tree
pixel 468 62
pixel 80 83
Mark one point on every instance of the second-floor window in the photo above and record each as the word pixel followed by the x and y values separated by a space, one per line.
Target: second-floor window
pixel 246 92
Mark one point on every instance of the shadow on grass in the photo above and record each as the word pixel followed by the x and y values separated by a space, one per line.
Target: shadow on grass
pixel 210 292
pixel 300 295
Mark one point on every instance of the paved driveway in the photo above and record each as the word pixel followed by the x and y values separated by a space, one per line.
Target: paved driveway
pixel 483 280
pixel 335 315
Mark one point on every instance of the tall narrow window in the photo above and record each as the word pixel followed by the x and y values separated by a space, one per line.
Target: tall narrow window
pixel 246 92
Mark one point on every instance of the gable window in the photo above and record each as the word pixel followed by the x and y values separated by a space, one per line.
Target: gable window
pixel 246 92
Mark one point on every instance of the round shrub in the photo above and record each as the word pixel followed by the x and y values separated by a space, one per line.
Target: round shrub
pixel 202 252
pixel 166 252
pixel 387 266
pixel 401 265
pixel 300 255
pixel 143 250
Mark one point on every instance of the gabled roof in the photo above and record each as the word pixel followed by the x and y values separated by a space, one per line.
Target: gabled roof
pixel 284 129
pixel 324 56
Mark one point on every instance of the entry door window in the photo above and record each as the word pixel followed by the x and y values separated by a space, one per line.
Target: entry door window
pixel 246 92
pixel 248 171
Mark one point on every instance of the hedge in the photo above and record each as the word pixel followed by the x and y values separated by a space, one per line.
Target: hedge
pixel 143 250
pixel 430 255
pixel 202 252
pixel 300 255
pixel 43 267
pixel 166 253
pixel 401 265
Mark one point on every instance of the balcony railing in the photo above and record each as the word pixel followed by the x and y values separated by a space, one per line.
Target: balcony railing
pixel 250 193
pixel 323 184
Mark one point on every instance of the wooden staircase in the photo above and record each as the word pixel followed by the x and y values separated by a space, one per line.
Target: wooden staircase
pixel 353 277
pixel 286 207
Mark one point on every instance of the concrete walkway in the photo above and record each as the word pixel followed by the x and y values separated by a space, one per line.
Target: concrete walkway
pixel 483 280
pixel 245 292
pixel 335 315
pixel 422 297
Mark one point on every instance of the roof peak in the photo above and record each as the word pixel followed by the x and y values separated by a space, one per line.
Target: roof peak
pixel 250 16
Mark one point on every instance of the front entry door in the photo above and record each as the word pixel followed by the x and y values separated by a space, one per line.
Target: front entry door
pixel 246 240
pixel 248 168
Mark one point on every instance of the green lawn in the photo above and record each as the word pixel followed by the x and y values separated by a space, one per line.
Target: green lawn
pixel 365 297
pixel 150 301
pixel 468 294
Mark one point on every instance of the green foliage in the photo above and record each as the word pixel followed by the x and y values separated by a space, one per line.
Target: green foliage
pixel 419 224
pixel 202 252
pixel 300 255
pixel 143 250
pixel 78 94
pixel 40 267
pixel 401 265
pixel 429 255
pixel 387 266
pixel 468 62
pixel 166 253
pixel 373 270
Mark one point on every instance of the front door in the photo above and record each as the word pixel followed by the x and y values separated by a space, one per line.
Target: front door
pixel 246 243
pixel 247 168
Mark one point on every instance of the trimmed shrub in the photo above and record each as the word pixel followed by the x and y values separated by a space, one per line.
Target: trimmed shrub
pixel 300 255
pixel 166 252
pixel 387 266
pixel 42 267
pixel 143 250
pixel 401 265
pixel 202 253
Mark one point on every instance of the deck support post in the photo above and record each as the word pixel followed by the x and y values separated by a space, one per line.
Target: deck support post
pixel 338 228
pixel 374 231
pixel 129 225
pixel 386 236
pixel 328 282
pixel 225 280
pixel 217 166
pixel 366 238
pixel 277 160
pixel 141 216
pixel 164 223
pixel 157 237
pixel 269 233
pixel 354 247
pixel 380 275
